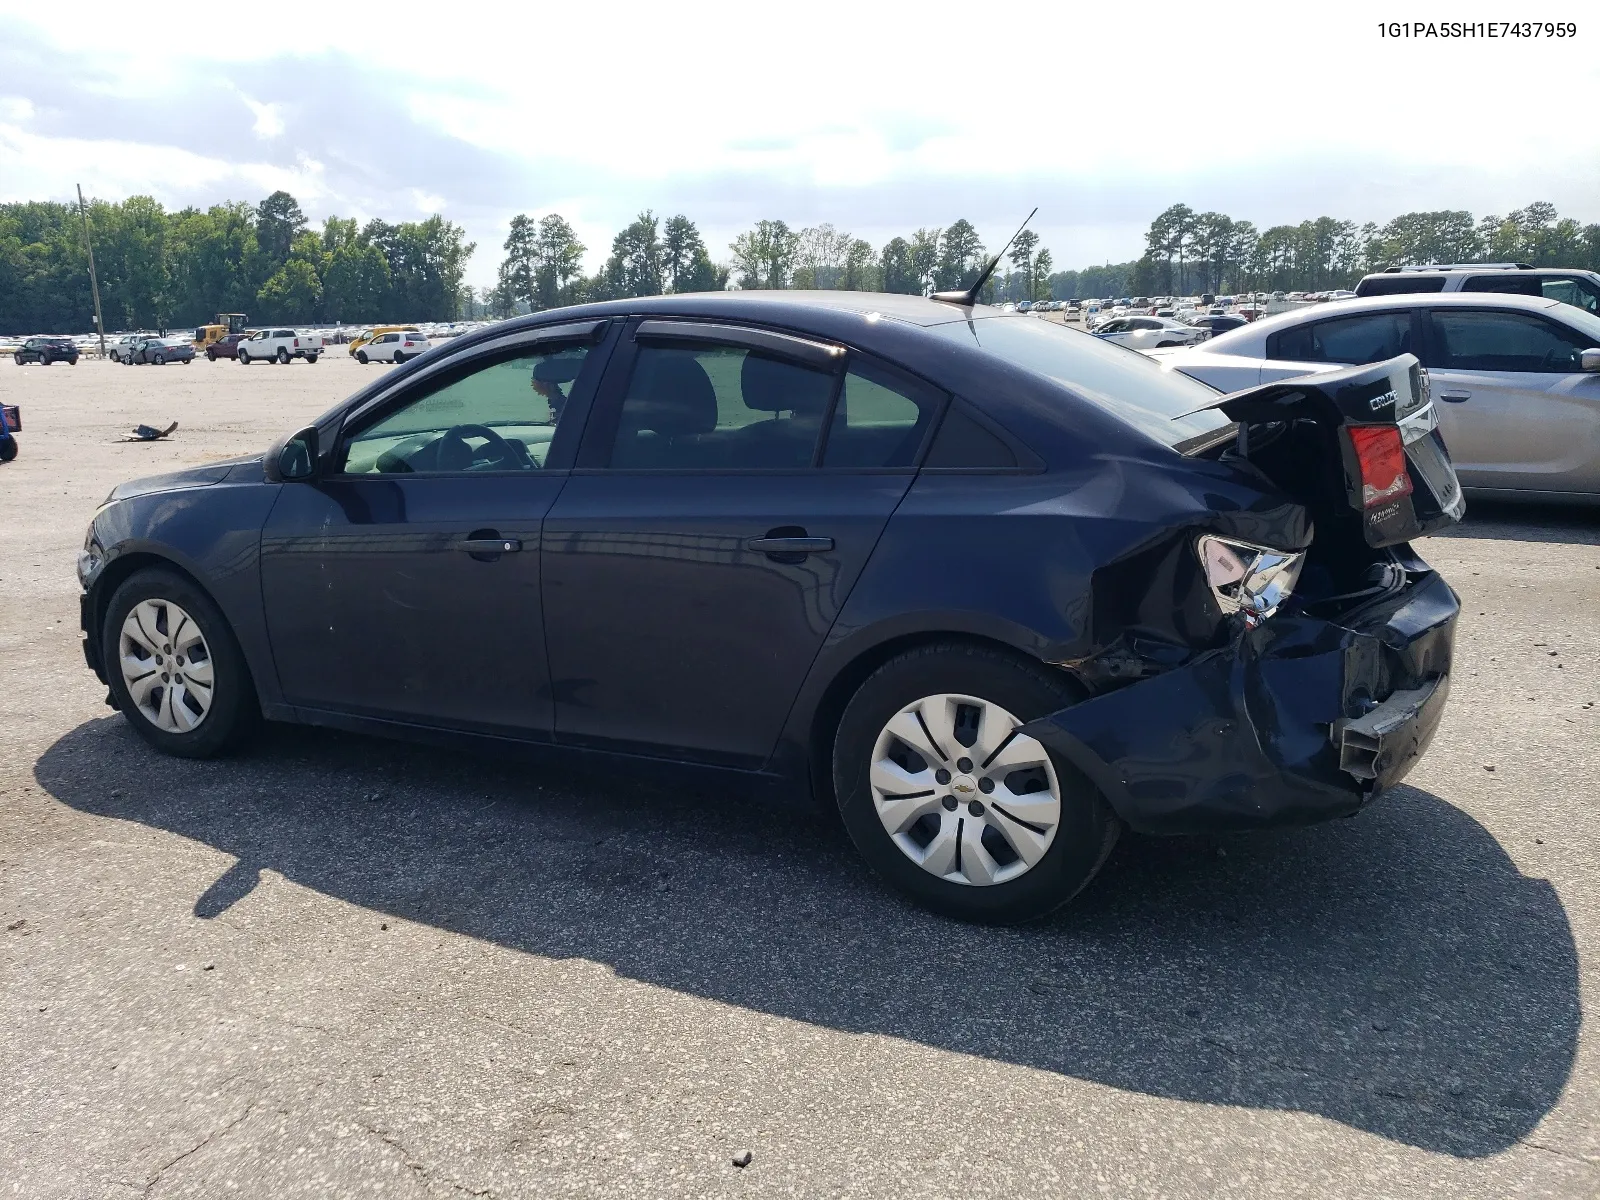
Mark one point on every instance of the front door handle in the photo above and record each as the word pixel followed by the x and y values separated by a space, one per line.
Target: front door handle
pixel 489 545
pixel 789 545
pixel 1455 397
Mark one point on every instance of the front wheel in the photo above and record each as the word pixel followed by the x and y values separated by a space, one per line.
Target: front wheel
pixel 244 358
pixel 18 357
pixel 361 357
pixel 283 356
pixel 398 358
pixel 176 671
pixel 160 361
pixel 948 801
pixel 211 356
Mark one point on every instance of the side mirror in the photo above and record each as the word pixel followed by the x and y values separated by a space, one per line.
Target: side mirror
pixel 295 458
pixel 1589 360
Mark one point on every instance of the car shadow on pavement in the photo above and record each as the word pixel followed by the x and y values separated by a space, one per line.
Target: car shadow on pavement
pixel 1497 520
pixel 1394 972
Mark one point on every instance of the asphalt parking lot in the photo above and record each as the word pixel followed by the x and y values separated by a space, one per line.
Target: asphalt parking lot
pixel 342 966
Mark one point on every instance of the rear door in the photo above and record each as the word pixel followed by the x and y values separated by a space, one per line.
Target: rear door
pixel 731 487
pixel 1516 410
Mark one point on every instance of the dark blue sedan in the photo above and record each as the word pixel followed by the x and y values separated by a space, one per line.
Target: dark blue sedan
pixel 994 587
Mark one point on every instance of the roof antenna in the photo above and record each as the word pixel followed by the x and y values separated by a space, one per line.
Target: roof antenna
pixel 967 297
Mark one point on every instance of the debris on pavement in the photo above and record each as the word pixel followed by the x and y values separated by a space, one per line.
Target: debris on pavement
pixel 149 433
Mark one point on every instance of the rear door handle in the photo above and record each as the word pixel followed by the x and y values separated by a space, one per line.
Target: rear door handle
pixel 1455 397
pixel 789 545
pixel 492 545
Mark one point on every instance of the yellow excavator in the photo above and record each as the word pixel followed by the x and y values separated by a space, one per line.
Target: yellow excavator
pixel 226 323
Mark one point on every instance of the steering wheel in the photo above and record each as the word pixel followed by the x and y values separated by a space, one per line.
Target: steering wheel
pixel 453 453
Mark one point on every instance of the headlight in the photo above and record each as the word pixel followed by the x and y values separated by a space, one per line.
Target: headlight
pixel 1253 580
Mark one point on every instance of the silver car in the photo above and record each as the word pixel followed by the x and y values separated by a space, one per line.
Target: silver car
pixel 1518 377
pixel 1149 333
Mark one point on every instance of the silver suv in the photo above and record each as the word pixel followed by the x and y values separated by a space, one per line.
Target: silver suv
pixel 1580 288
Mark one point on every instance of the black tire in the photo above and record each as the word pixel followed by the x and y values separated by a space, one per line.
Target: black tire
pixel 45 360
pixel 211 355
pixel 1087 830
pixel 233 714
pixel 398 358
pixel 159 360
pixel 244 358
pixel 361 357
pixel 18 357
pixel 283 356
pixel 8 447
pixel 312 359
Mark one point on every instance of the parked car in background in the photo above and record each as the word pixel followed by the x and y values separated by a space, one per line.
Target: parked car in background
pixel 1517 378
pixel 393 347
pixel 1578 288
pixel 159 351
pixel 1149 333
pixel 1159 622
pixel 1215 323
pixel 47 350
pixel 227 346
pixel 280 346
pixel 368 336
pixel 118 348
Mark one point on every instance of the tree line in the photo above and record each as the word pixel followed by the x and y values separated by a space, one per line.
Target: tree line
pixel 161 270
pixel 1188 252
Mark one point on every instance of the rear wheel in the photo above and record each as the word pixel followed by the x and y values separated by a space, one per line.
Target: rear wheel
pixel 398 358
pixel 951 804
pixel 176 671
pixel 312 359
pixel 160 360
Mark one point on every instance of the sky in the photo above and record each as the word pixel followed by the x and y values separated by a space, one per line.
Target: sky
pixel 877 117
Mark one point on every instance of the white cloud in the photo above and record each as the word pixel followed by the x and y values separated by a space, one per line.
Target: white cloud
pixel 878 117
pixel 269 118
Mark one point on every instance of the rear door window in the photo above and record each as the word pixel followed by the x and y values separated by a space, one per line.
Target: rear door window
pixel 1482 340
pixel 1370 337
pixel 720 407
pixel 1400 284
pixel 1505 285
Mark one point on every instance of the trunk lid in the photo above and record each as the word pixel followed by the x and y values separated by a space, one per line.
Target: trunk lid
pixel 1358 446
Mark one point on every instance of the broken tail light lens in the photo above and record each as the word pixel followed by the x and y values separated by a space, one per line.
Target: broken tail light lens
pixel 1248 579
pixel 1381 457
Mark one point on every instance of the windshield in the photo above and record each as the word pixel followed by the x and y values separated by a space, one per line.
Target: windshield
pixel 1124 382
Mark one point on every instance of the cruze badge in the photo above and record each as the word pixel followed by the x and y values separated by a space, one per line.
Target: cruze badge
pixel 1378 402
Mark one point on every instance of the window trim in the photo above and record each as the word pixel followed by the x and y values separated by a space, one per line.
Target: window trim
pixel 579 404
pixel 809 352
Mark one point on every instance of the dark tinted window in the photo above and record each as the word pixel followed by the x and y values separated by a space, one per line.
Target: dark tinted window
pixel 880 418
pixel 1399 284
pixel 721 407
pixel 1370 337
pixel 1504 341
pixel 1506 285
pixel 962 442
pixel 499 416
pixel 1578 292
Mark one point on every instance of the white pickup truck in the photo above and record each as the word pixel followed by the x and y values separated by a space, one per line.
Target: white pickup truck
pixel 279 345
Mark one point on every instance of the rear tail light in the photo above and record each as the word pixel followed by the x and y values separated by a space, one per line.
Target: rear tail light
pixel 411 343
pixel 1381 458
pixel 1248 579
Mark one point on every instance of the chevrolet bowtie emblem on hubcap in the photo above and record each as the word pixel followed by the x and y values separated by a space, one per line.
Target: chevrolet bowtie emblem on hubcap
pixel 964 785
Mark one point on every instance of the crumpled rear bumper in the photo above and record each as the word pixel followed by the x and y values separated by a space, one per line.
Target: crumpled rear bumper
pixel 1298 720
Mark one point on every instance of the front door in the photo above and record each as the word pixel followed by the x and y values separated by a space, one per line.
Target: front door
pixel 1515 409
pixel 404 583
pixel 693 569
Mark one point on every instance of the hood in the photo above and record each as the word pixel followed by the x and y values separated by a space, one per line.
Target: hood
pixel 189 477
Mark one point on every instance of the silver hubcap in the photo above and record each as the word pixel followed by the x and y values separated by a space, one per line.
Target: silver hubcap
pixel 962 793
pixel 166 665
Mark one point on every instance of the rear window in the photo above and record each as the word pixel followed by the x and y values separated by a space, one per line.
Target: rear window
pixel 1399 285
pixel 1124 382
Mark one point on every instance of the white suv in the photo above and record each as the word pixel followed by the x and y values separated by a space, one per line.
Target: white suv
pixel 1579 288
pixel 279 345
pixel 393 347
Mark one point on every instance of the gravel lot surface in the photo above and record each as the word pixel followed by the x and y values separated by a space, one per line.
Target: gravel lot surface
pixel 342 966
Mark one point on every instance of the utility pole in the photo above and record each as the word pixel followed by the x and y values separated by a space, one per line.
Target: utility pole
pixel 94 283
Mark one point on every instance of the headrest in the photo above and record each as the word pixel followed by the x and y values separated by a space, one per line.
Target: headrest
pixel 671 396
pixel 559 368
pixel 770 385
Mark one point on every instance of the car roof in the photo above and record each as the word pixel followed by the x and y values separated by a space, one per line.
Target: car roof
pixel 775 307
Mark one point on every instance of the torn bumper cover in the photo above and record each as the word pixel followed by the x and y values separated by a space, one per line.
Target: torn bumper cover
pixel 1298 720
